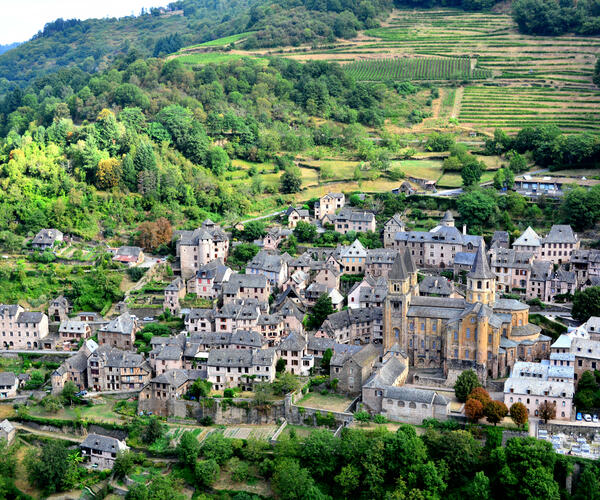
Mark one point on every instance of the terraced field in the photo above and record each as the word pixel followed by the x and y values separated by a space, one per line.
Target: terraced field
pixel 511 79
pixel 515 107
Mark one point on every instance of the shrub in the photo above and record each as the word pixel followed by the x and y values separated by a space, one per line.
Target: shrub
pixel 228 393
pixel 239 470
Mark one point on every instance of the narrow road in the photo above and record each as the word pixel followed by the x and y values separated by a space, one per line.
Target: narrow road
pixel 274 214
pixel 36 351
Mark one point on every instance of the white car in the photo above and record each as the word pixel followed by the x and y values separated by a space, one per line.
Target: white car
pixel 595 418
pixel 587 417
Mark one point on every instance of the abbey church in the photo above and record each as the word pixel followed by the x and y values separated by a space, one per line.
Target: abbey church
pixel 481 331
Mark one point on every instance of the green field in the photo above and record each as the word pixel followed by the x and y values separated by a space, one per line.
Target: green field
pixel 212 57
pixel 515 107
pixel 221 42
pixel 420 68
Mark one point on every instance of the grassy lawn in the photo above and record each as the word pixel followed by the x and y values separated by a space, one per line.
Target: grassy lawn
pixel 423 169
pixel 301 431
pixel 99 413
pixel 581 172
pixel 329 402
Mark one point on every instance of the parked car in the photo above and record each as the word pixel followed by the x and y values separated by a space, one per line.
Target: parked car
pixel 148 318
pixel 579 417
pixel 595 418
pixel 587 417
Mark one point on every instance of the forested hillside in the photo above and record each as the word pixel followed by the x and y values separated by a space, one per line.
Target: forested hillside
pixel 92 44
pixel 6 48
pixel 143 127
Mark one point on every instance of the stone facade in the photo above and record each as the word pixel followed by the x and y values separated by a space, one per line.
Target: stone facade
pixel 20 329
pixel 197 248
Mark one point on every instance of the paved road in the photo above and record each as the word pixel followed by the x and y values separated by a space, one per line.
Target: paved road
pixel 274 214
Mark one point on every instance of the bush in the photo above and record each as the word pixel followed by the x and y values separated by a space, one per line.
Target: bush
pixel 206 421
pixel 239 470
pixel 228 393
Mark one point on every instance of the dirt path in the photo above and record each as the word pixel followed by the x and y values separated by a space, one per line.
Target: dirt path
pixel 53 435
pixel 457 101
pixel 436 105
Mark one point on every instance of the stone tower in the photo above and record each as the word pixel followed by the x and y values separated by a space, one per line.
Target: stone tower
pixel 402 284
pixel 447 220
pixel 481 281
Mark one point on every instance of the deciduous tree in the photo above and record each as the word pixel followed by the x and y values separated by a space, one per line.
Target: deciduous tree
pixel 547 411
pixel 495 411
pixel 518 412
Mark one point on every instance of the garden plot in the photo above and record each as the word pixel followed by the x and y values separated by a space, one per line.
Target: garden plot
pixel 261 432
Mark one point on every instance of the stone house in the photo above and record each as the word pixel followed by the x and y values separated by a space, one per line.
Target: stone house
pixel 512 269
pixel 273 267
pixel 45 239
pixel 200 320
pixel 392 226
pixel 329 276
pixel 586 264
pixel 353 369
pixel 500 239
pixel 208 281
pixel 235 367
pixel 7 431
pixel 8 385
pixel 74 369
pixel 369 292
pixel 111 369
pixel 391 373
pixel 59 309
pixel 294 350
pixel 379 261
pixel 101 451
pixel 238 315
pixel 275 237
pixel 350 220
pixel 317 346
pixel 272 328
pixel 315 290
pixel 246 286
pixel 292 316
pixel 168 358
pixel 201 246
pixel 534 383
pixel 539 275
pixel 353 258
pixel 413 405
pixel 529 241
pixel 169 385
pixel 22 329
pixel 463 262
pixel 71 332
pixel 328 204
pixel 130 256
pixel 354 326
pixel 119 333
pixel 559 244
pixel 297 214
pixel 298 281
pixel 174 292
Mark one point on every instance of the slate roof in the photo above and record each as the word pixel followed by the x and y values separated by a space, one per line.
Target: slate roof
pixel 241 358
pixel 293 342
pixel 387 374
pixel 123 324
pixel 103 443
pixel 509 304
pixel 464 258
pixel 196 314
pixel 264 261
pixel 508 257
pixel 208 231
pixel 47 237
pixel 560 234
pixel 481 268
pixel 525 330
pixel 347 214
pixel 414 395
pixel 30 317
pixel 6 426
pixel 237 281
pixel 529 238
pixel 174 378
pixel 320 344
pixel 343 319
pixel 540 270
pixel 8 378
pixel 398 270
pixel 214 270
pixel 170 352
pixel 436 285
pixel 72 326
